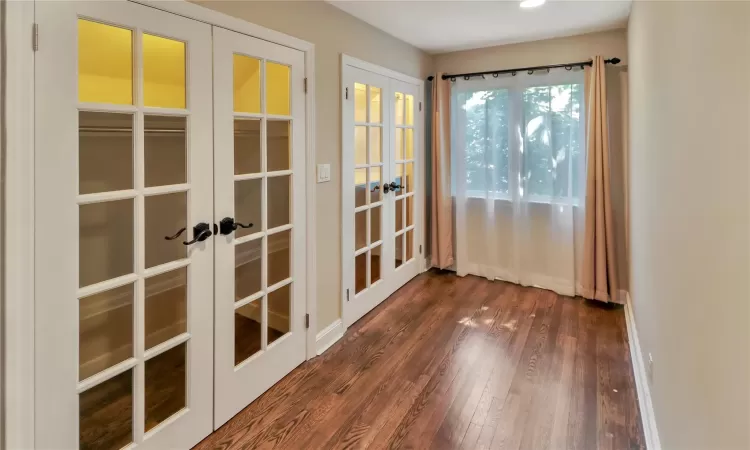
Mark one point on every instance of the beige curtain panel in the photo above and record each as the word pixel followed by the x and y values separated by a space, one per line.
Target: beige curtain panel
pixel 599 272
pixel 442 205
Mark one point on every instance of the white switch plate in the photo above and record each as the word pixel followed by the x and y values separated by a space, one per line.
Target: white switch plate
pixel 324 173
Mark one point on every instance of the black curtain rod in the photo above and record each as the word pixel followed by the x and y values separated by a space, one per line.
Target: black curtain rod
pixel 530 70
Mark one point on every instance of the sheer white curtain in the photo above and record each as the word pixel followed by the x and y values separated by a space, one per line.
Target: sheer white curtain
pixel 519 177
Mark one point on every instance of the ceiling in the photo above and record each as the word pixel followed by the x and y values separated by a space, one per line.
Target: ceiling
pixel 444 26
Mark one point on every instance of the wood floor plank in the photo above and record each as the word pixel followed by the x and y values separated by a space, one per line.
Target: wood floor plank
pixel 449 363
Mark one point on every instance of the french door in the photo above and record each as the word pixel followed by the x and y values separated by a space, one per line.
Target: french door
pixel 124 199
pixel 382 194
pixel 259 113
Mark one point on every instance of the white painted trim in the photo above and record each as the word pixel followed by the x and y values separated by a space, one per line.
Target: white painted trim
pixel 312 204
pixel 211 17
pixel 640 374
pixel 18 295
pixel 329 336
pixel 347 60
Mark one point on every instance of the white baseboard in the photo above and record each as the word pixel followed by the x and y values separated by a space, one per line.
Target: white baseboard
pixel 329 336
pixel 641 380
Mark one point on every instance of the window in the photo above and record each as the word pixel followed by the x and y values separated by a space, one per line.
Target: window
pixel 520 136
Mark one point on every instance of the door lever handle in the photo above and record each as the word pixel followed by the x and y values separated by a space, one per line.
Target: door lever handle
pixel 201 232
pixel 395 187
pixel 228 225
pixel 176 235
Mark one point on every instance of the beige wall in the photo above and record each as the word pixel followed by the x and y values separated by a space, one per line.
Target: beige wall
pixel 333 32
pixel 550 51
pixel 559 51
pixel 690 219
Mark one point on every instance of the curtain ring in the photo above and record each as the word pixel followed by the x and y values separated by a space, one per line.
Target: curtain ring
pixel 495 75
pixel 547 69
pixel 530 72
pixel 513 73
pixel 453 79
pixel 568 68
pixel 581 66
pixel 466 78
pixel 483 77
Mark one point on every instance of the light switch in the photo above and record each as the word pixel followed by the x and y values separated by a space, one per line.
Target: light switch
pixel 324 173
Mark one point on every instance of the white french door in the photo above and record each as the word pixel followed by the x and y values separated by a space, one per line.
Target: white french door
pixel 124 272
pixel 259 113
pixel 382 194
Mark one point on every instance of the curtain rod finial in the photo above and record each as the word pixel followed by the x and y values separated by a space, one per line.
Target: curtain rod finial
pixel 615 61
pixel 430 78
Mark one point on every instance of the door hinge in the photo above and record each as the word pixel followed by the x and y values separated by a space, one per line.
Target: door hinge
pixel 347 93
pixel 420 106
pixel 347 295
pixel 35 37
pixel 305 85
pixel 307 320
pixel 420 249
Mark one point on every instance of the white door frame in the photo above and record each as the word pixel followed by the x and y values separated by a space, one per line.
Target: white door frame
pixel 18 258
pixel 350 61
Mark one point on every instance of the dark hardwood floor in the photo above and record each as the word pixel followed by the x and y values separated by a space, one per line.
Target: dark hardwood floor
pixel 457 363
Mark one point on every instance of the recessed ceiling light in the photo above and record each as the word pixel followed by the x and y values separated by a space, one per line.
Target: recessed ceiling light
pixel 532 3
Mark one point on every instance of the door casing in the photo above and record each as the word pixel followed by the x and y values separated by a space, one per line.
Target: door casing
pixel 347 167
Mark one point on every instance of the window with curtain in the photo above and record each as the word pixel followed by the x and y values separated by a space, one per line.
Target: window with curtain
pixel 519 177
pixel 549 147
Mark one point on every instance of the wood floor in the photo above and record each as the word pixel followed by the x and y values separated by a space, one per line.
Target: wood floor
pixel 457 363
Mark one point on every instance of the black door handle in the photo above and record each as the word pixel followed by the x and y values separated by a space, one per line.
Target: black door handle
pixel 176 235
pixel 228 225
pixel 394 186
pixel 201 232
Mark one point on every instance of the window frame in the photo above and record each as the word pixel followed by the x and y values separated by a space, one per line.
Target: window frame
pixel 516 85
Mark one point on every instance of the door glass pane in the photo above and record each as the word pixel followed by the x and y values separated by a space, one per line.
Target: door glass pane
pixel 399 250
pixel 247 337
pixel 375 194
pixel 409 178
pixel 246 146
pixel 399 214
pixel 106 414
pixel 246 84
pixel 360 187
pixel 278 312
pixel 376 148
pixel 360 229
pixel 409 211
pixel 279 256
pixel 165 391
pixel 247 269
pixel 165 144
pixel 399 144
pixel 165 215
pixel 105 152
pixel 409 245
pixel 278 200
pixel 375 264
pixel 277 88
pixel 409 143
pixel 409 110
pixel 399 108
pixel 400 178
pixel 163 72
pixel 360 102
pixel 247 198
pixel 278 147
pixel 105 245
pixel 360 146
pixel 105 63
pixel 105 330
pixel 360 272
pixel 375 102
pixel 375 224
pixel 166 306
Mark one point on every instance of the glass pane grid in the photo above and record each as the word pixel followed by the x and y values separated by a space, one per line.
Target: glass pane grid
pixel 155 102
